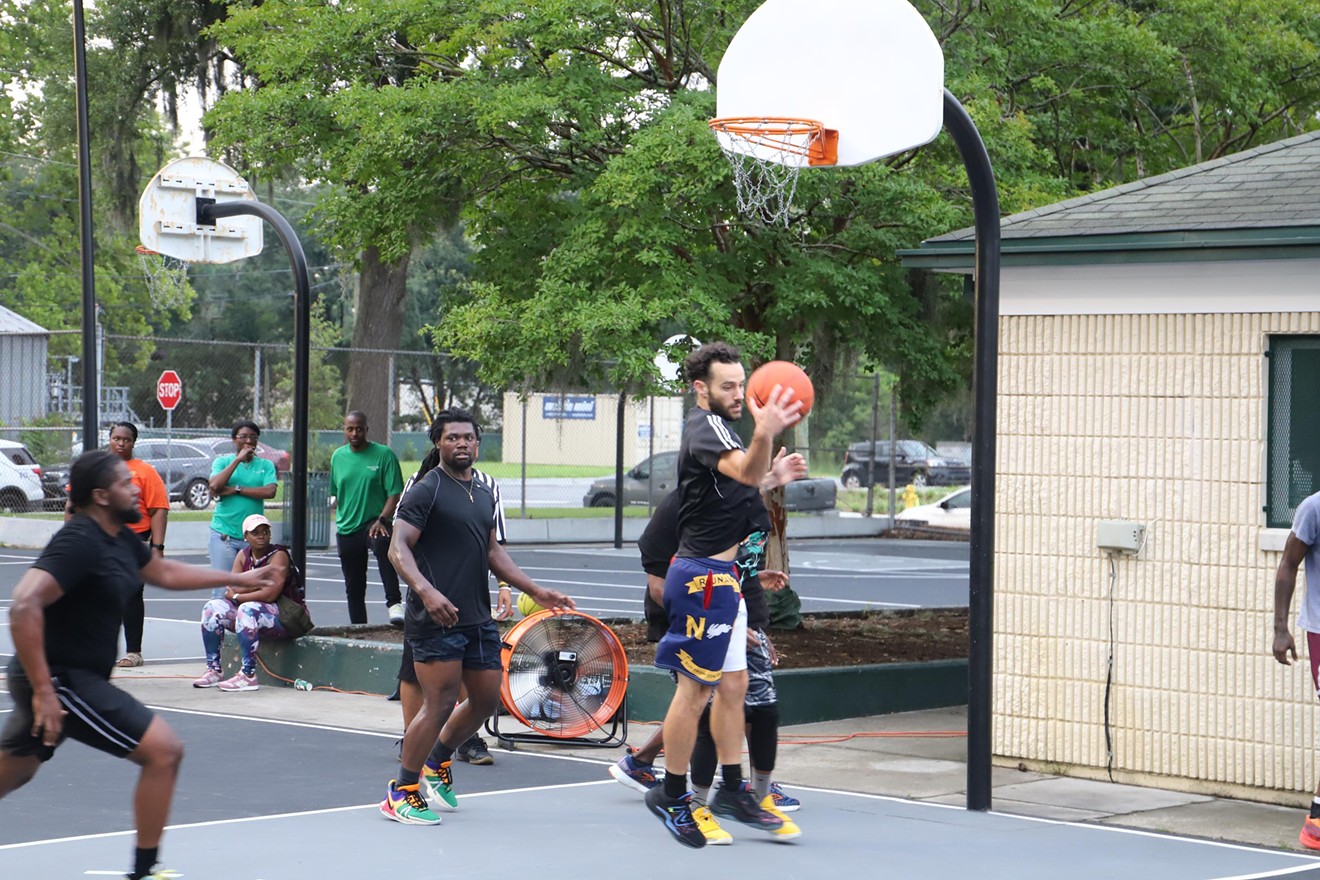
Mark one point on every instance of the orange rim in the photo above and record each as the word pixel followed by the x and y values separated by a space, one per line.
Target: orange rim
pixel 524 660
pixel 146 251
pixel 800 137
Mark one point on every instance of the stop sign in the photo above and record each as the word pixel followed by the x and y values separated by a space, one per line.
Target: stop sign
pixel 169 390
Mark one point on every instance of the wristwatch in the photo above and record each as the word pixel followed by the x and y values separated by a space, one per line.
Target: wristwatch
pixel 160 547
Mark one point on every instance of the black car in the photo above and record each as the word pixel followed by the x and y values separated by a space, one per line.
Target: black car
pixel 915 463
pixel 656 477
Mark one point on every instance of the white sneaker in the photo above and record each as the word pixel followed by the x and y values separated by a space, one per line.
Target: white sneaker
pixel 396 614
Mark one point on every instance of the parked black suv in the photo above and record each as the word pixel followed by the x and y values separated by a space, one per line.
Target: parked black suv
pixel 914 463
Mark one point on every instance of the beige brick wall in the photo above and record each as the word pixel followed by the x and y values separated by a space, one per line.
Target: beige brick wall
pixel 1157 419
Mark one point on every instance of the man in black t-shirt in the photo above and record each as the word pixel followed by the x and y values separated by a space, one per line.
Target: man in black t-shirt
pixel 65 620
pixel 447 538
pixel 718 482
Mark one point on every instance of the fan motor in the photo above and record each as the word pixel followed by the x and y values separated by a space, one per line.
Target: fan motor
pixel 561 669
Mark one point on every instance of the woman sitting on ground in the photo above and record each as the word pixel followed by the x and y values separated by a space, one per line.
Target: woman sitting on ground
pixel 258 616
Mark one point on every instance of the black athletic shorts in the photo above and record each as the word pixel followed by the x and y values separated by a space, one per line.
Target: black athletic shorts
pixel 476 647
pixel 99 714
pixel 407 672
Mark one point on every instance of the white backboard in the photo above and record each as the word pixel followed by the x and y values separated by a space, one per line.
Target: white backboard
pixel 871 69
pixel 167 213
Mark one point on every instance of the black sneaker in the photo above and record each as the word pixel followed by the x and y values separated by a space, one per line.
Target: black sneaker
pixel 741 806
pixel 677 816
pixel 474 751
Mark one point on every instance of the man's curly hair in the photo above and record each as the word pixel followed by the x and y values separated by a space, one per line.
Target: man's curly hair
pixel 696 366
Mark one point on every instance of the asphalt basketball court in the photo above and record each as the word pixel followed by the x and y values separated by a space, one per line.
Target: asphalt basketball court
pixel 283 784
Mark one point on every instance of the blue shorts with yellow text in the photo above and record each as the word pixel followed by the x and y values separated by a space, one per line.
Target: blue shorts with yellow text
pixel 701 599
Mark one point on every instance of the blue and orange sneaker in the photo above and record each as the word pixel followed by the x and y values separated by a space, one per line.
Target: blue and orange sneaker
pixel 676 813
pixel 635 774
pixel 783 802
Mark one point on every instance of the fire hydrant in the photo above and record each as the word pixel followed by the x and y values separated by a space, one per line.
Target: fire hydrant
pixel 909 496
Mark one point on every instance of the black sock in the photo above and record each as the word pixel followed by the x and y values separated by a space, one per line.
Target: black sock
pixel 675 785
pixel 1315 808
pixel 731 774
pixel 143 861
pixel 439 754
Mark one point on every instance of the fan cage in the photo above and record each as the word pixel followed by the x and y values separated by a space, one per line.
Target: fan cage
pixel 565 674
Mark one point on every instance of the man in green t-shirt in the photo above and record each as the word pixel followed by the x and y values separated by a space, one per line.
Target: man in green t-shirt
pixel 365 485
pixel 241 483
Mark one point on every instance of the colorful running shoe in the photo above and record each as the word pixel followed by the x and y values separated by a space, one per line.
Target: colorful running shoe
pixel 1310 834
pixel 787 829
pixel 783 801
pixel 407 805
pixel 677 816
pixel 209 679
pixel 439 782
pixel 710 829
pixel 474 751
pixel 636 775
pixel 741 806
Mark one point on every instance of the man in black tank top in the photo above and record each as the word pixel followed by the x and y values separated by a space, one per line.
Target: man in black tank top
pixel 718 482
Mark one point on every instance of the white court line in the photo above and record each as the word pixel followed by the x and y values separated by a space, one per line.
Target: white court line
pixel 1311 861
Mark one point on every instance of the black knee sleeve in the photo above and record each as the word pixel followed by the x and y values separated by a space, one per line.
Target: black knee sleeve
pixel 763 736
pixel 704 759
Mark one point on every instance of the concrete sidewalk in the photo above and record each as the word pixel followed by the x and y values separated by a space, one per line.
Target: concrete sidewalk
pixel 915 755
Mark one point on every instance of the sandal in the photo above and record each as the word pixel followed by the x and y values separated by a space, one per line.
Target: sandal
pixel 131 659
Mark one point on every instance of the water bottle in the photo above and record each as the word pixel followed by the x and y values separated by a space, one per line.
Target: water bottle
pixel 302 684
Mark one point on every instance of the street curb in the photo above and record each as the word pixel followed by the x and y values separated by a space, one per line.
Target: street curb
pixel 805 695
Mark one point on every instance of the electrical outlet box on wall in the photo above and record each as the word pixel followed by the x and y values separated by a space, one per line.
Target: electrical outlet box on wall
pixel 1120 536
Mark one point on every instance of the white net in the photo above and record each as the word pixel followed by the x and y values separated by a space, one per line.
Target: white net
pixel 167 278
pixel 766 157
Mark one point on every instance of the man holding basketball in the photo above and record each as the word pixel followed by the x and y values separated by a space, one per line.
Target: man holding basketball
pixel 718 481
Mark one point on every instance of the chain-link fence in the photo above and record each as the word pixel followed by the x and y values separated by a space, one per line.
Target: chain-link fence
pixel 550 450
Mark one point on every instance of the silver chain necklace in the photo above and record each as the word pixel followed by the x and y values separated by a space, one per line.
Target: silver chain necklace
pixel 468 488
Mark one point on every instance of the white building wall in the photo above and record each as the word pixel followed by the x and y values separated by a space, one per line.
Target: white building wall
pixel 650 424
pixel 1157 418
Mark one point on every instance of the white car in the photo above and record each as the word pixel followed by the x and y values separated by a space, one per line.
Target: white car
pixel 20 479
pixel 953 511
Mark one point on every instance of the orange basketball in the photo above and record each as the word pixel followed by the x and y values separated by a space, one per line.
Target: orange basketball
pixel 765 377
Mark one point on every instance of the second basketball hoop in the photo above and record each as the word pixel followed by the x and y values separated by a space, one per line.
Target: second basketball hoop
pixel 167 277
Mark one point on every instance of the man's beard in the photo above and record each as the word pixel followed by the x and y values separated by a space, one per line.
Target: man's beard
pixel 723 412
pixel 128 516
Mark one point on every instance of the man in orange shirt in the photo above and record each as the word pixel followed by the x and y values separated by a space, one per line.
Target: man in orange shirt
pixel 154 503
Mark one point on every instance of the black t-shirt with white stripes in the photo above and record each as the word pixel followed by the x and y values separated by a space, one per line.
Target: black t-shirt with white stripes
pixel 717 511
pixel 97 574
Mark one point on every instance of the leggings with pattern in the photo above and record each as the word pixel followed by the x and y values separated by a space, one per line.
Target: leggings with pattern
pixel 249 621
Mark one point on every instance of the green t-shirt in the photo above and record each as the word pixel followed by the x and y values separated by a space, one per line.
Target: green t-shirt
pixel 231 510
pixel 360 483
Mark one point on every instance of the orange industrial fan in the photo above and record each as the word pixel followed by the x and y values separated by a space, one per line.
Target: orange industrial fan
pixel 566 679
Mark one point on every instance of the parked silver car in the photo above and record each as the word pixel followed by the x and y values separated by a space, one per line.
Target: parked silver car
pixel 656 477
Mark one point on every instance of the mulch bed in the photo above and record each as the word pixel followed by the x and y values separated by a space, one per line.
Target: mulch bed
pixel 847 639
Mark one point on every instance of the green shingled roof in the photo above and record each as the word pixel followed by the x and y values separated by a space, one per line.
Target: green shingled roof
pixel 1264 198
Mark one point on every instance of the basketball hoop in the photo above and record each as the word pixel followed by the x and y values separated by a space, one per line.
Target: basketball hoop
pixel 167 277
pixel 766 156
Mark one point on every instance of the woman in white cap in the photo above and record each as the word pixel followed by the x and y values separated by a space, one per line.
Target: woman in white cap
pixel 258 615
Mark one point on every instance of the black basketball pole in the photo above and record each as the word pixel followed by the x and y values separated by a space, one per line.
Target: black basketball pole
pixel 980 598
pixel 91 415
pixel 207 213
